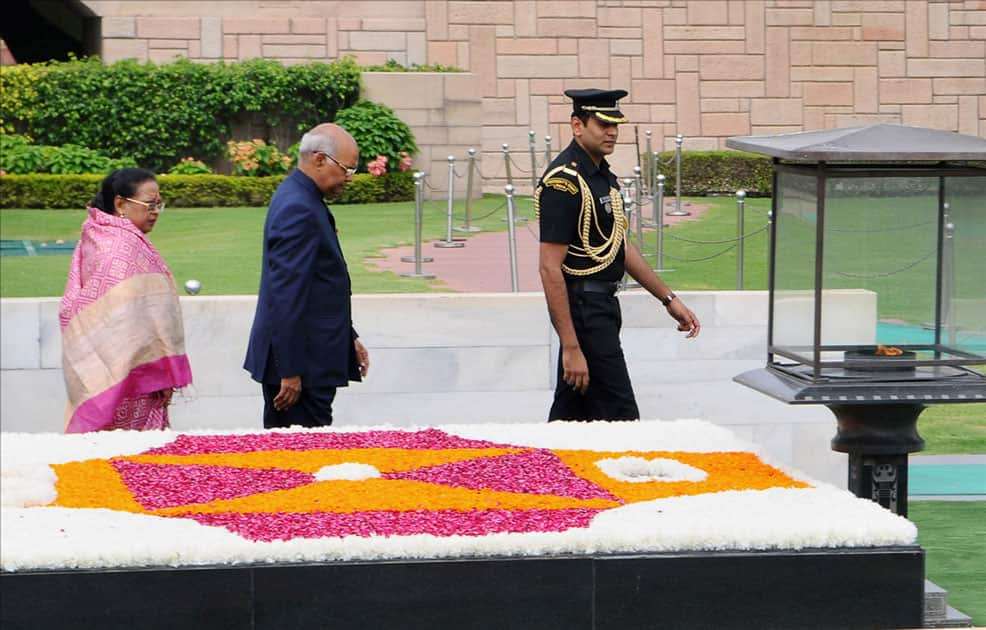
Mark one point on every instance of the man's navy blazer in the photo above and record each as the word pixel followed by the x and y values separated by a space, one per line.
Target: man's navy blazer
pixel 303 323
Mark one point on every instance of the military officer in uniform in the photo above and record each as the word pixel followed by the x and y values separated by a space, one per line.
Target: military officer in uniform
pixel 583 256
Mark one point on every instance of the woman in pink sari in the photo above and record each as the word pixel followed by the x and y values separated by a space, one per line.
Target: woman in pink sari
pixel 123 343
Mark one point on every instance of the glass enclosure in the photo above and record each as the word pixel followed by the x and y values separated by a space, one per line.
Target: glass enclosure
pixel 877 271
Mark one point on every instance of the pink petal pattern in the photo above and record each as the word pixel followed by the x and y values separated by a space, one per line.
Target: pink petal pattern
pixel 157 486
pixel 537 471
pixel 266 527
pixel 427 439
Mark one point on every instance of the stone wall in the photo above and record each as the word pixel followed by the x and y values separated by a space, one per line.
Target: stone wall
pixel 464 358
pixel 707 69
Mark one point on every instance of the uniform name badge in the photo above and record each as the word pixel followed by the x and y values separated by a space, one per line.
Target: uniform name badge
pixel 607 204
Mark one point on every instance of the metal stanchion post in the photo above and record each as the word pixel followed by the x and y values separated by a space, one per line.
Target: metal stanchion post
pixel 740 220
pixel 506 163
pixel 419 194
pixel 547 151
pixel 628 209
pixel 948 278
pixel 534 161
pixel 468 226
pixel 510 178
pixel 770 229
pixel 678 212
pixel 448 242
pixel 651 163
pixel 637 192
pixel 512 239
pixel 657 199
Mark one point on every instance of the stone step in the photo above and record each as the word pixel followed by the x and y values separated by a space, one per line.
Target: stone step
pixel 937 612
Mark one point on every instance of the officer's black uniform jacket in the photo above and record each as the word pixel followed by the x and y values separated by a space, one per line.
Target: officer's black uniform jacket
pixel 559 203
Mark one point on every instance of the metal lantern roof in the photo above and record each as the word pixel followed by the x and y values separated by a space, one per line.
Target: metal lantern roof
pixel 882 142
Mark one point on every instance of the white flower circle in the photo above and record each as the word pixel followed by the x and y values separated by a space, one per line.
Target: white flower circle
pixel 640 470
pixel 348 472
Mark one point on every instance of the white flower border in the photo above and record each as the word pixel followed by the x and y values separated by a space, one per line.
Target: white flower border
pixel 33 537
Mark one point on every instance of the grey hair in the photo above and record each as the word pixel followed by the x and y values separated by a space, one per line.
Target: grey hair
pixel 312 142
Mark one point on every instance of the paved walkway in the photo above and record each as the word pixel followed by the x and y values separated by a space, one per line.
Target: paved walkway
pixel 483 265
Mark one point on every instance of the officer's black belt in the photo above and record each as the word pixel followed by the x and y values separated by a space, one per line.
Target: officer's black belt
pixel 593 286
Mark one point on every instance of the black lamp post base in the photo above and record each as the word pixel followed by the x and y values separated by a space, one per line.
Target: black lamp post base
pixel 878 439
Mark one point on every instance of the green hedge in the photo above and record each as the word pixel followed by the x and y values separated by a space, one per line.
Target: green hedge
pixel 705 172
pixel 187 191
pixel 158 114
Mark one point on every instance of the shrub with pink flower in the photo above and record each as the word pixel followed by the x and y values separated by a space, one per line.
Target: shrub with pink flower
pixel 405 162
pixel 378 166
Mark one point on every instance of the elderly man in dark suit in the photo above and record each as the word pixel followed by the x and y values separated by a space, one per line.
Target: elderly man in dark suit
pixel 303 344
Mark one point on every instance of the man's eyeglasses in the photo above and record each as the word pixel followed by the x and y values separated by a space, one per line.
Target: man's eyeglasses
pixel 156 205
pixel 350 171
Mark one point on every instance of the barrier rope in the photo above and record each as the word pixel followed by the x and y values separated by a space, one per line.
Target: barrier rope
pixel 735 239
pixel 694 260
pixel 911 265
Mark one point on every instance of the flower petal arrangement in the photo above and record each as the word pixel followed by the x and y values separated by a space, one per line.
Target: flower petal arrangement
pixel 127 499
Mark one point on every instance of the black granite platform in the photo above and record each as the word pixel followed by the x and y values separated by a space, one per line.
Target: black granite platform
pixel 850 588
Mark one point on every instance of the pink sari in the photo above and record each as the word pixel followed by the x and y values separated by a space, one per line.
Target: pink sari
pixel 122 333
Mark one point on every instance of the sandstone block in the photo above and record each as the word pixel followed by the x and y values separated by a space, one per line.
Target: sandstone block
pixel 626 47
pixel 946 67
pixel 168 28
pixel 892 63
pixel 731 89
pixel 884 26
pixel 685 63
pixel 720 105
pixel 615 16
pixel 935 116
pixel 308 25
pixel 777 64
pixel 594 58
pixel 700 47
pixel 525 18
pixel 652 64
pixel 489 12
pixel 687 99
pixel 828 93
pixel 967 86
pixel 755 22
pixel 566 8
pixel 865 97
pixel 117 49
pixel 249 46
pixel 526 66
pixel 725 124
pixel 255 26
pixel 393 24
pixel 704 32
pixel 377 40
pixel 816 33
pixel 526 46
pixel 844 53
pixel 299 51
pixel 968 115
pixel 731 67
pixel 567 27
pixel 776 111
pixel 442 53
pixel 652 90
pixel 709 12
pixel 548 87
pixel 436 21
pixel 970 49
pixel 790 17
pixel 113 27
pixel 916 27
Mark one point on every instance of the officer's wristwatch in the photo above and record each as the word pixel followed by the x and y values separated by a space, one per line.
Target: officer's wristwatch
pixel 666 300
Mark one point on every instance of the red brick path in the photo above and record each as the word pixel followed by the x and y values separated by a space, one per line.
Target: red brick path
pixel 483 265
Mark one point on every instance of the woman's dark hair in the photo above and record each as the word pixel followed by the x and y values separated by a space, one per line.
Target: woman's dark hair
pixel 123 182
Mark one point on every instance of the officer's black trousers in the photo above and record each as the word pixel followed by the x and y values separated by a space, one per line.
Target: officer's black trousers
pixel 597 320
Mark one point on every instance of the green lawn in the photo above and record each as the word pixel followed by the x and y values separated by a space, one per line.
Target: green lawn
pixel 952 534
pixel 221 246
pixel 953 429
